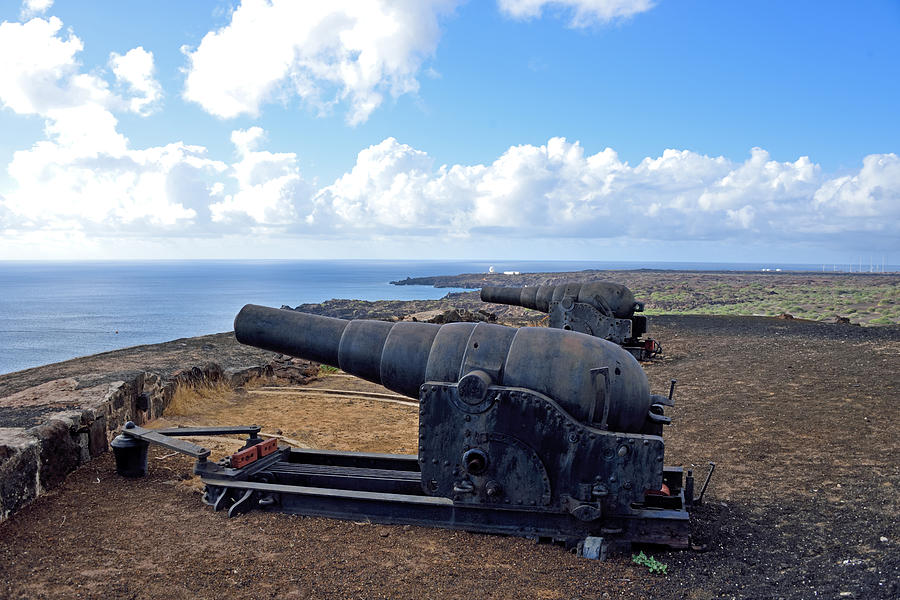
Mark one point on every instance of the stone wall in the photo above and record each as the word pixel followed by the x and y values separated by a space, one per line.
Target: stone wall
pixel 36 459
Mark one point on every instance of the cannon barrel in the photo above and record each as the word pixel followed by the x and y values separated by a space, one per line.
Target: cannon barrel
pixel 611 299
pixel 566 366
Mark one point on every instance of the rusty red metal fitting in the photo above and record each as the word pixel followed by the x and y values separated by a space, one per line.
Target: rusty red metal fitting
pixel 267 447
pixel 244 457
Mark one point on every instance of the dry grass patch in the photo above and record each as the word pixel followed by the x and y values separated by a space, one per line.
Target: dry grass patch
pixel 201 399
pixel 302 416
pixel 344 418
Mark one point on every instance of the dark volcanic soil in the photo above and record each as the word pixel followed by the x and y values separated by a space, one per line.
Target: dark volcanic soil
pixel 801 419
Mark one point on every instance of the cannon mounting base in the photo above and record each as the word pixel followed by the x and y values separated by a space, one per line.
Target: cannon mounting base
pixel 386 488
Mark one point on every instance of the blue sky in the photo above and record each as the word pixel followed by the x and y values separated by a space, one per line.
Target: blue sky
pixel 607 129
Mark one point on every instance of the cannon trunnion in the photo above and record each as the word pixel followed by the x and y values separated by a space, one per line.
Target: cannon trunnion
pixel 599 308
pixel 538 432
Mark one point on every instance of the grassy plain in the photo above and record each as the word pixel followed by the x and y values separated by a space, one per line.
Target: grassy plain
pixel 863 298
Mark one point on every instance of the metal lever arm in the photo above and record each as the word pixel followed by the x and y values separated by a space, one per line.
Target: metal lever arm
pixel 155 437
pixel 250 430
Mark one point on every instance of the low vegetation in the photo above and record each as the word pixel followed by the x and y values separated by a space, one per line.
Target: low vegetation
pixel 194 399
pixel 863 298
pixel 867 300
pixel 651 563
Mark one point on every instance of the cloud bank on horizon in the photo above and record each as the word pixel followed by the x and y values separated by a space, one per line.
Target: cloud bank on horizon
pixel 84 180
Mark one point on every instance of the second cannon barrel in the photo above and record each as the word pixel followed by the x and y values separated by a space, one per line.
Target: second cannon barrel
pixel 611 299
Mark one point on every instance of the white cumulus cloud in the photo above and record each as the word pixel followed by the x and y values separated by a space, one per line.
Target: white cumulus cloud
pixel 150 187
pixel 84 180
pixel 268 185
pixel 31 8
pixel 39 71
pixel 84 174
pixel 135 70
pixel 584 12
pixel 86 177
pixel 557 190
pixel 394 187
pixel 324 53
pixel 868 200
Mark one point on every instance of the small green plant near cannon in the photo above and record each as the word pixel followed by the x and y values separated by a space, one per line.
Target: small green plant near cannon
pixel 651 563
pixel 327 369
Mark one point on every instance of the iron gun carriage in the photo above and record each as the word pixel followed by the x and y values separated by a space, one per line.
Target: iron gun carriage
pixel 600 308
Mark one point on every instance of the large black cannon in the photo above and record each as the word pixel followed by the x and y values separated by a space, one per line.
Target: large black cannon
pixel 538 432
pixel 598 308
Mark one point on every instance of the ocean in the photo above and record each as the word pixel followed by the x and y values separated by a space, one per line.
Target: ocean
pixel 53 311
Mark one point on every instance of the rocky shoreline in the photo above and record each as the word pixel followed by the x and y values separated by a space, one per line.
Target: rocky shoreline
pixel 467 305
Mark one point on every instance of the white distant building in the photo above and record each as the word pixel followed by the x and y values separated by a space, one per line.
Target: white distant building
pixel 511 273
pixel 491 269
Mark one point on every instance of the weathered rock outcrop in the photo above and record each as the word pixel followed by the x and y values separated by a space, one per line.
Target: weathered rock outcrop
pixel 56 417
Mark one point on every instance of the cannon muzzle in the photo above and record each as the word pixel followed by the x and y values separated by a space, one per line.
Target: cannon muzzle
pixel 590 378
pixel 611 299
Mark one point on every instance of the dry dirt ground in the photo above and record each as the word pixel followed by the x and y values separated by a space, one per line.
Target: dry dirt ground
pixel 801 419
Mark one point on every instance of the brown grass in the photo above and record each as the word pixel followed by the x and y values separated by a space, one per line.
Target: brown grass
pixel 302 416
pixel 194 400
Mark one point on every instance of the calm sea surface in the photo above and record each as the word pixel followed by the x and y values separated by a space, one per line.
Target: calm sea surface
pixel 53 311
